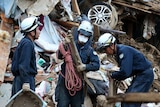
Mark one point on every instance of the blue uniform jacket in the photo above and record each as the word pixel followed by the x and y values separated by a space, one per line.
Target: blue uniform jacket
pixel 131 62
pixel 88 57
pixel 24 60
pixel 87 54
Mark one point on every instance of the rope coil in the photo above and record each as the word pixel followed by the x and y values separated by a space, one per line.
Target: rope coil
pixel 72 80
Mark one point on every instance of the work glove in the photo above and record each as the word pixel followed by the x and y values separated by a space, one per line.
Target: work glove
pixel 26 87
pixel 101 100
pixel 67 39
pixel 81 67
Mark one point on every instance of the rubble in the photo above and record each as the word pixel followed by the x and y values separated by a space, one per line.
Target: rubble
pixel 135 23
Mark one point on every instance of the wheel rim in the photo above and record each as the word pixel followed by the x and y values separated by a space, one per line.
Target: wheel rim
pixel 100 14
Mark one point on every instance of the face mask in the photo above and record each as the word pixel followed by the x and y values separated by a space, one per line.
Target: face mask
pixel 82 38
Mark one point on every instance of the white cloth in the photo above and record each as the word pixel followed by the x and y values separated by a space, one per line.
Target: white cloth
pixel 49 38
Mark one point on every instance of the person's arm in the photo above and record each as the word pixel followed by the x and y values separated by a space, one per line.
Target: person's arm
pixel 94 64
pixel 126 62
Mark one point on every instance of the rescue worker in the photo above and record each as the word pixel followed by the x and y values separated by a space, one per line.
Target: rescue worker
pixel 132 63
pixel 90 62
pixel 24 60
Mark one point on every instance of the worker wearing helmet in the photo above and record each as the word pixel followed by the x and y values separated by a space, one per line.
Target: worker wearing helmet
pixel 90 62
pixel 24 60
pixel 131 63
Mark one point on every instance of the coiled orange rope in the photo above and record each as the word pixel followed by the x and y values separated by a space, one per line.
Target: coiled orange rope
pixel 72 81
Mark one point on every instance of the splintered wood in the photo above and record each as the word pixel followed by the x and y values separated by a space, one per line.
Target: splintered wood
pixel 5 44
pixel 149 7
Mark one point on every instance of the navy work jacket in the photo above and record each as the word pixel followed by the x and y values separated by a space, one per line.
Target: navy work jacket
pixel 87 54
pixel 131 62
pixel 24 60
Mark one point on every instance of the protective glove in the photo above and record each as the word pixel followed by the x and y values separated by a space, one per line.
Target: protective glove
pixel 101 100
pixel 67 39
pixel 26 87
pixel 81 67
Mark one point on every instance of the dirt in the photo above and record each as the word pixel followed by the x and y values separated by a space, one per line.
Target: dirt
pixel 26 100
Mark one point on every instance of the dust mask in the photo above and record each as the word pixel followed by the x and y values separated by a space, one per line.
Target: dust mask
pixel 82 38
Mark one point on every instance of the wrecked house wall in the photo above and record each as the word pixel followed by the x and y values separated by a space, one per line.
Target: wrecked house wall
pixel 141 24
pixel 140 20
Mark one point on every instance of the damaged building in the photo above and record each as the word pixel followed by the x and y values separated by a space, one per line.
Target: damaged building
pixel 134 22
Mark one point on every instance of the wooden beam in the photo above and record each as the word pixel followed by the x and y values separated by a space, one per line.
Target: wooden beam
pixel 76 7
pixel 96 32
pixel 147 7
pixel 66 24
pixel 77 61
pixel 135 97
pixel 5 45
pixel 130 6
pixel 40 78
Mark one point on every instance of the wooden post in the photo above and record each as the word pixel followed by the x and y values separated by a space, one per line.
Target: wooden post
pixel 96 32
pixel 77 60
pixel 76 7
pixel 112 90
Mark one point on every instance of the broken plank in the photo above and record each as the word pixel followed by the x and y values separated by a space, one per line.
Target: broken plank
pixel 76 7
pixel 40 78
pixel 96 32
pixel 66 24
pixel 5 45
pixel 135 97
pixel 130 6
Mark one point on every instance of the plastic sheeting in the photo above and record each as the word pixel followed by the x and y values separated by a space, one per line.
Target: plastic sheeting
pixel 8 7
pixel 49 38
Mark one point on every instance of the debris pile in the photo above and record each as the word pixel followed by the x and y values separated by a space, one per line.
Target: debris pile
pixel 135 23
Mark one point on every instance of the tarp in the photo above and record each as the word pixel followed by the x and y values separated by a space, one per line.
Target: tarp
pixel 49 38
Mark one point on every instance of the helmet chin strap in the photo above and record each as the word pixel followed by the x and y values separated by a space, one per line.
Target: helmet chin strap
pixel 113 49
pixel 34 37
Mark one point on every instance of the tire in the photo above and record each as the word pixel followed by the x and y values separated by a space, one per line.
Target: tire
pixel 103 15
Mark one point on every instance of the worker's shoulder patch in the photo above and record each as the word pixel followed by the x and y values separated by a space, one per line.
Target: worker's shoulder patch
pixel 94 53
pixel 121 55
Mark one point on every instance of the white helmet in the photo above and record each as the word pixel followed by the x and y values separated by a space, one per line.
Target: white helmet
pixel 29 24
pixel 86 28
pixel 105 40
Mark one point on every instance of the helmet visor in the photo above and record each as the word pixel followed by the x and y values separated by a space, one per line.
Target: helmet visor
pixel 101 46
pixel 85 33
